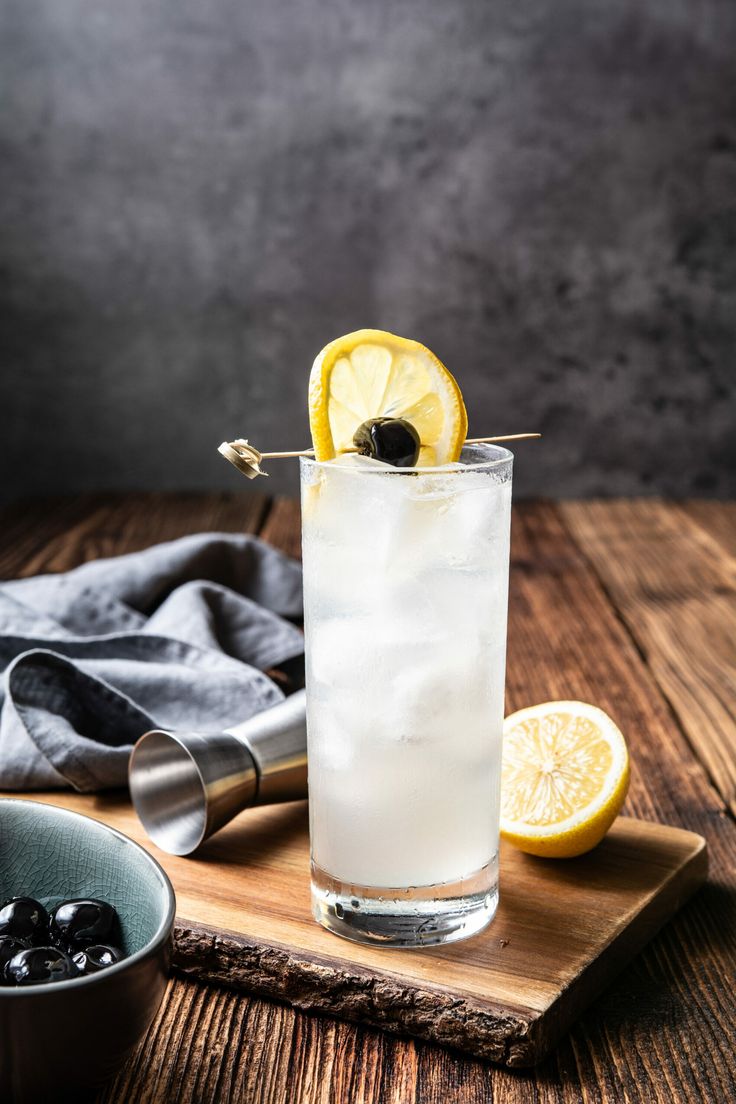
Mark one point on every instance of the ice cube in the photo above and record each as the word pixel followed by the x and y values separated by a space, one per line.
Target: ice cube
pixel 355 461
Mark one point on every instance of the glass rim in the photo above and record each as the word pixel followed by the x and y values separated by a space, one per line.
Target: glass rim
pixel 502 457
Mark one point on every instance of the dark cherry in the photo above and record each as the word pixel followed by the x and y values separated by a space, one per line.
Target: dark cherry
pixel 97 957
pixel 77 924
pixel 37 965
pixel 24 918
pixel 393 440
pixel 10 946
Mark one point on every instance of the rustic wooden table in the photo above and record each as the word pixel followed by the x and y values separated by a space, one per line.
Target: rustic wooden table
pixel 628 604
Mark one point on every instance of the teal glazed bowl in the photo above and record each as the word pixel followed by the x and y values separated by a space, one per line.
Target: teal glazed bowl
pixel 62 1041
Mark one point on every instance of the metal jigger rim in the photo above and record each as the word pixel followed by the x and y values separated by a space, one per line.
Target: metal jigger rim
pixel 167 836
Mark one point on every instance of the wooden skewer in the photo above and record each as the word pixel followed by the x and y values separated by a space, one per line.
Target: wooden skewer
pixel 469 441
pixel 247 459
pixel 506 437
pixel 303 452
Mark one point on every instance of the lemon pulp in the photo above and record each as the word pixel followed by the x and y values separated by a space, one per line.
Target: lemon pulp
pixel 564 779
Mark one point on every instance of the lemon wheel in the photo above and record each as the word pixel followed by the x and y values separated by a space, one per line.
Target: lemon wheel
pixel 564 779
pixel 371 374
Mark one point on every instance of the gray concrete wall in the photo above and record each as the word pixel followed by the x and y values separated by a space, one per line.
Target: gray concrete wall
pixel 197 194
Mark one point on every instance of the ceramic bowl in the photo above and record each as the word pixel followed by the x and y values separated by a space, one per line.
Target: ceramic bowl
pixel 62 1041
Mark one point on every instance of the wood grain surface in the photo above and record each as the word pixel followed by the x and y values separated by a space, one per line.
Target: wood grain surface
pixel 563 930
pixel 664 1031
pixel 674 585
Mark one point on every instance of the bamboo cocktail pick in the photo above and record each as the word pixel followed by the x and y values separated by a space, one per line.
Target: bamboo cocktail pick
pixel 247 459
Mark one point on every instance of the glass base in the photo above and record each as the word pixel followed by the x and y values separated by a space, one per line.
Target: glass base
pixel 421 916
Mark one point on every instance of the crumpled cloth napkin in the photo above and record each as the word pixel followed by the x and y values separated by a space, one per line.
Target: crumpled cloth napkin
pixel 177 636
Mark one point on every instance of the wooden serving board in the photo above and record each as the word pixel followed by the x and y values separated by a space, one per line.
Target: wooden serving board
pixel 562 931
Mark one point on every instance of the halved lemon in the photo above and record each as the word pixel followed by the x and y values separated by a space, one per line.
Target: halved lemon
pixel 564 779
pixel 373 374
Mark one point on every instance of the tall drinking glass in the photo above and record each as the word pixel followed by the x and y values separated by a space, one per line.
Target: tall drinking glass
pixel 405 598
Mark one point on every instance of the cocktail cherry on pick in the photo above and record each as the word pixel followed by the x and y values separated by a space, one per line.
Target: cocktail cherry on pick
pixel 392 440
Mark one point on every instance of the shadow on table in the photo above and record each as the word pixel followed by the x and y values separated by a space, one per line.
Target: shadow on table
pixel 253 834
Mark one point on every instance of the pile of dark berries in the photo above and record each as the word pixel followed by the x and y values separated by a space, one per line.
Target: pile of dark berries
pixel 71 940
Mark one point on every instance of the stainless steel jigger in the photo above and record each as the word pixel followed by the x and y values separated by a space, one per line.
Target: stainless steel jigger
pixel 187 785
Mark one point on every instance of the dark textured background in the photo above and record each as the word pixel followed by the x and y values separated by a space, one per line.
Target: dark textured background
pixel 196 195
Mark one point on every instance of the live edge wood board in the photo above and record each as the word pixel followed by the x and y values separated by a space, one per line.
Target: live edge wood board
pixel 562 931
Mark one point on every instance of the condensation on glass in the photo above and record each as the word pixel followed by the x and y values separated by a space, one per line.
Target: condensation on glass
pixel 405 595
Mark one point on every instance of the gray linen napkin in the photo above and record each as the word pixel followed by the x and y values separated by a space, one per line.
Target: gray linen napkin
pixel 177 636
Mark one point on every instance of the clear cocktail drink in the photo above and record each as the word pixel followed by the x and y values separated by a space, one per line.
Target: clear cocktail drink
pixel 405 597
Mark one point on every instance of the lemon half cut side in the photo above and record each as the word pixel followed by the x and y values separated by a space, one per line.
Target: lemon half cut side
pixel 371 374
pixel 564 779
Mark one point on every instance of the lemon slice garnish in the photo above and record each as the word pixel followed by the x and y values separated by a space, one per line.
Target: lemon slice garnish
pixel 564 779
pixel 372 374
